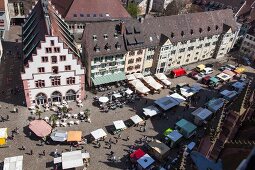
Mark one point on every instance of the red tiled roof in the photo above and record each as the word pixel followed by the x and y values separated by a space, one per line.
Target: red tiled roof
pixel 2 7
pixel 94 10
pixel 62 6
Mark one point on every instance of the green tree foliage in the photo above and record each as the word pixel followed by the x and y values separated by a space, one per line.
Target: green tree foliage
pixel 133 9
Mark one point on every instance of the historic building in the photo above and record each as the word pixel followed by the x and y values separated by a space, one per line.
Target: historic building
pixel 248 44
pixel 52 68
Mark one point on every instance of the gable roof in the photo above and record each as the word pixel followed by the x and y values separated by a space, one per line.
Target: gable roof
pixel 37 26
pixel 2 7
pixel 247 12
pixel 90 10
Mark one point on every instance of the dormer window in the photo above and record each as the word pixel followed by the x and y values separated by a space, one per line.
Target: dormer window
pixel 97 48
pixel 172 35
pixel 208 29
pixel 94 37
pixel 216 27
pixel 74 15
pixel 191 32
pixel 115 35
pixel 200 30
pixel 182 33
pixel 117 45
pixel 105 36
pixel 107 47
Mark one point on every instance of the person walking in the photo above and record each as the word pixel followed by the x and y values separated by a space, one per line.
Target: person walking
pixel 31 152
pixel 23 148
pixel 127 138
pixel 43 153
pixel 116 141
pixel 119 136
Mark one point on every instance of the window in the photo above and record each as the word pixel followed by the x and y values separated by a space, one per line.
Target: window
pixel 52 42
pixel 195 58
pixel 190 48
pixel 62 58
pixel 94 37
pixel 200 46
pixel 162 64
pixel 137 66
pixel 67 68
pixel 55 70
pixel 48 50
pixel 207 44
pixel 214 43
pixel 182 50
pixel 139 52
pixel 179 57
pixel 197 53
pixel 173 52
pixel 178 62
pixel 39 83
pixel 187 60
pixel 74 15
pixel 149 57
pixel 130 68
pixel 55 81
pixel 70 80
pixel 45 59
pixel 231 39
pixel 203 56
pixel 131 53
pixel 41 70
pixel 194 40
pixel 105 36
pixel 138 59
pixel 53 59
pixel 200 30
pixel 130 61
pixel 56 49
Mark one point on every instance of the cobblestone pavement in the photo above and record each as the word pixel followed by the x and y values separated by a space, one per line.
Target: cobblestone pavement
pixel 155 126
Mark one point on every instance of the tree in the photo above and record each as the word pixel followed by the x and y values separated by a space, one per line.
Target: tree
pixel 133 9
pixel 63 109
pixel 53 119
pixel 87 113
pixel 38 113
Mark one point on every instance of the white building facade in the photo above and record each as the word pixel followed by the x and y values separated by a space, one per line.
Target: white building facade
pixel 53 75
pixel 248 45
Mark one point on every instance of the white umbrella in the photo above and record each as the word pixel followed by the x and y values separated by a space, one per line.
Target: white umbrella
pixel 136 119
pixel 161 76
pixel 128 91
pixel 117 95
pixel 103 99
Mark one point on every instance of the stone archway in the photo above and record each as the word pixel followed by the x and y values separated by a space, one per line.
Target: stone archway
pixel 41 99
pixel 56 96
pixel 70 95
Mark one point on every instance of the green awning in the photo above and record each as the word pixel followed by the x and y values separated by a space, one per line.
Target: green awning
pixel 109 78
pixel 169 130
pixel 214 79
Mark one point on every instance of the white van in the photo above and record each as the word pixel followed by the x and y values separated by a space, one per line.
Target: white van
pixel 207 70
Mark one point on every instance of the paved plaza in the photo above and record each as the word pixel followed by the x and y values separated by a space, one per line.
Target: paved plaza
pixel 10 69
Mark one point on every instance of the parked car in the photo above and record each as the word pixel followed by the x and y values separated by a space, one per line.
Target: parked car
pixel 178 72
pixel 207 70
pixel 209 65
pixel 200 67
pixel 192 74
pixel 206 80
pixel 199 76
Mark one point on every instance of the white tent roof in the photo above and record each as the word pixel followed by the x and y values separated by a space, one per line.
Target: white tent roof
pixel 136 83
pixel 174 135
pixel 202 113
pixel 117 95
pixel 224 76
pixel 119 124
pixel 151 111
pixel 130 77
pixel 152 82
pixel 145 161
pixel 143 89
pixel 166 102
pixel 103 99
pixel 59 136
pixel 161 76
pixel 136 119
pixel 13 163
pixel 72 159
pixel 128 91
pixel 156 85
pixel 178 97
pixel 3 132
pixel 166 82
pixel 149 79
pixel 187 91
pixel 138 75
pixel 99 133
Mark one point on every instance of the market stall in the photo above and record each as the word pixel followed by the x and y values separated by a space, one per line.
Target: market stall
pixel 158 149
pixel 13 163
pixel 59 136
pixel 152 83
pixel 223 76
pixel 215 104
pixel 201 115
pixel 137 154
pixel 119 126
pixel 178 98
pixel 40 128
pixel 3 136
pixel 145 162
pixel 186 128
pixel 130 77
pixel 228 95
pixel 239 86
pixel 230 73
pixel 166 103
pixel 173 138
pixel 162 78
pixel 139 86
pixel 74 136
pixel 239 70
pixel 150 111
pixel 103 99
pixel 187 91
pixel 73 159
pixel 136 119
pixel 128 91
pixel 98 134
pixel 138 75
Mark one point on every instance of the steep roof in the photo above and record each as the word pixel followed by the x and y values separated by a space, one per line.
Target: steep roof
pixel 95 10
pixel 247 13
pixel 2 7
pixel 62 6
pixel 37 26
pixel 235 4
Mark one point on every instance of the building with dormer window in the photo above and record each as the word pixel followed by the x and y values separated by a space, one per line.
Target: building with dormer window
pixel 52 67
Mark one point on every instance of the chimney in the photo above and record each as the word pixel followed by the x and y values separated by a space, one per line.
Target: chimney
pixel 122 27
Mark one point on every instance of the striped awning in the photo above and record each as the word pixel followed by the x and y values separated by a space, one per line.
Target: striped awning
pixel 108 78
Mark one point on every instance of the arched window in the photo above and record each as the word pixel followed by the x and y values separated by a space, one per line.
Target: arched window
pixel 41 99
pixel 56 96
pixel 70 95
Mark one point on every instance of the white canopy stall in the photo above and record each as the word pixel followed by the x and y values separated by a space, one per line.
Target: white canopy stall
pixel 139 86
pixel 224 76
pixel 152 82
pixel 59 136
pixel 136 119
pixel 103 99
pixel 162 77
pixel 130 77
pixel 119 124
pixel 201 115
pixel 138 75
pixel 151 111
pixel 99 133
pixel 166 103
pixel 13 163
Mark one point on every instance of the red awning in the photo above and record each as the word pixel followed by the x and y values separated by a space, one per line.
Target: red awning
pixel 179 71
pixel 40 128
pixel 137 154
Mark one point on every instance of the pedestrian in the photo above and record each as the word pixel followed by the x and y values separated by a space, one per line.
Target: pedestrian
pixel 23 148
pixel 116 141
pixel 141 128
pixel 56 152
pixel 110 140
pixel 111 153
pixel 43 153
pixel 99 145
pixel 145 123
pixel 110 146
pixel 31 152
pixel 119 136
pixel 127 138
pixel 144 129
pixel 30 133
pixel 7 117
